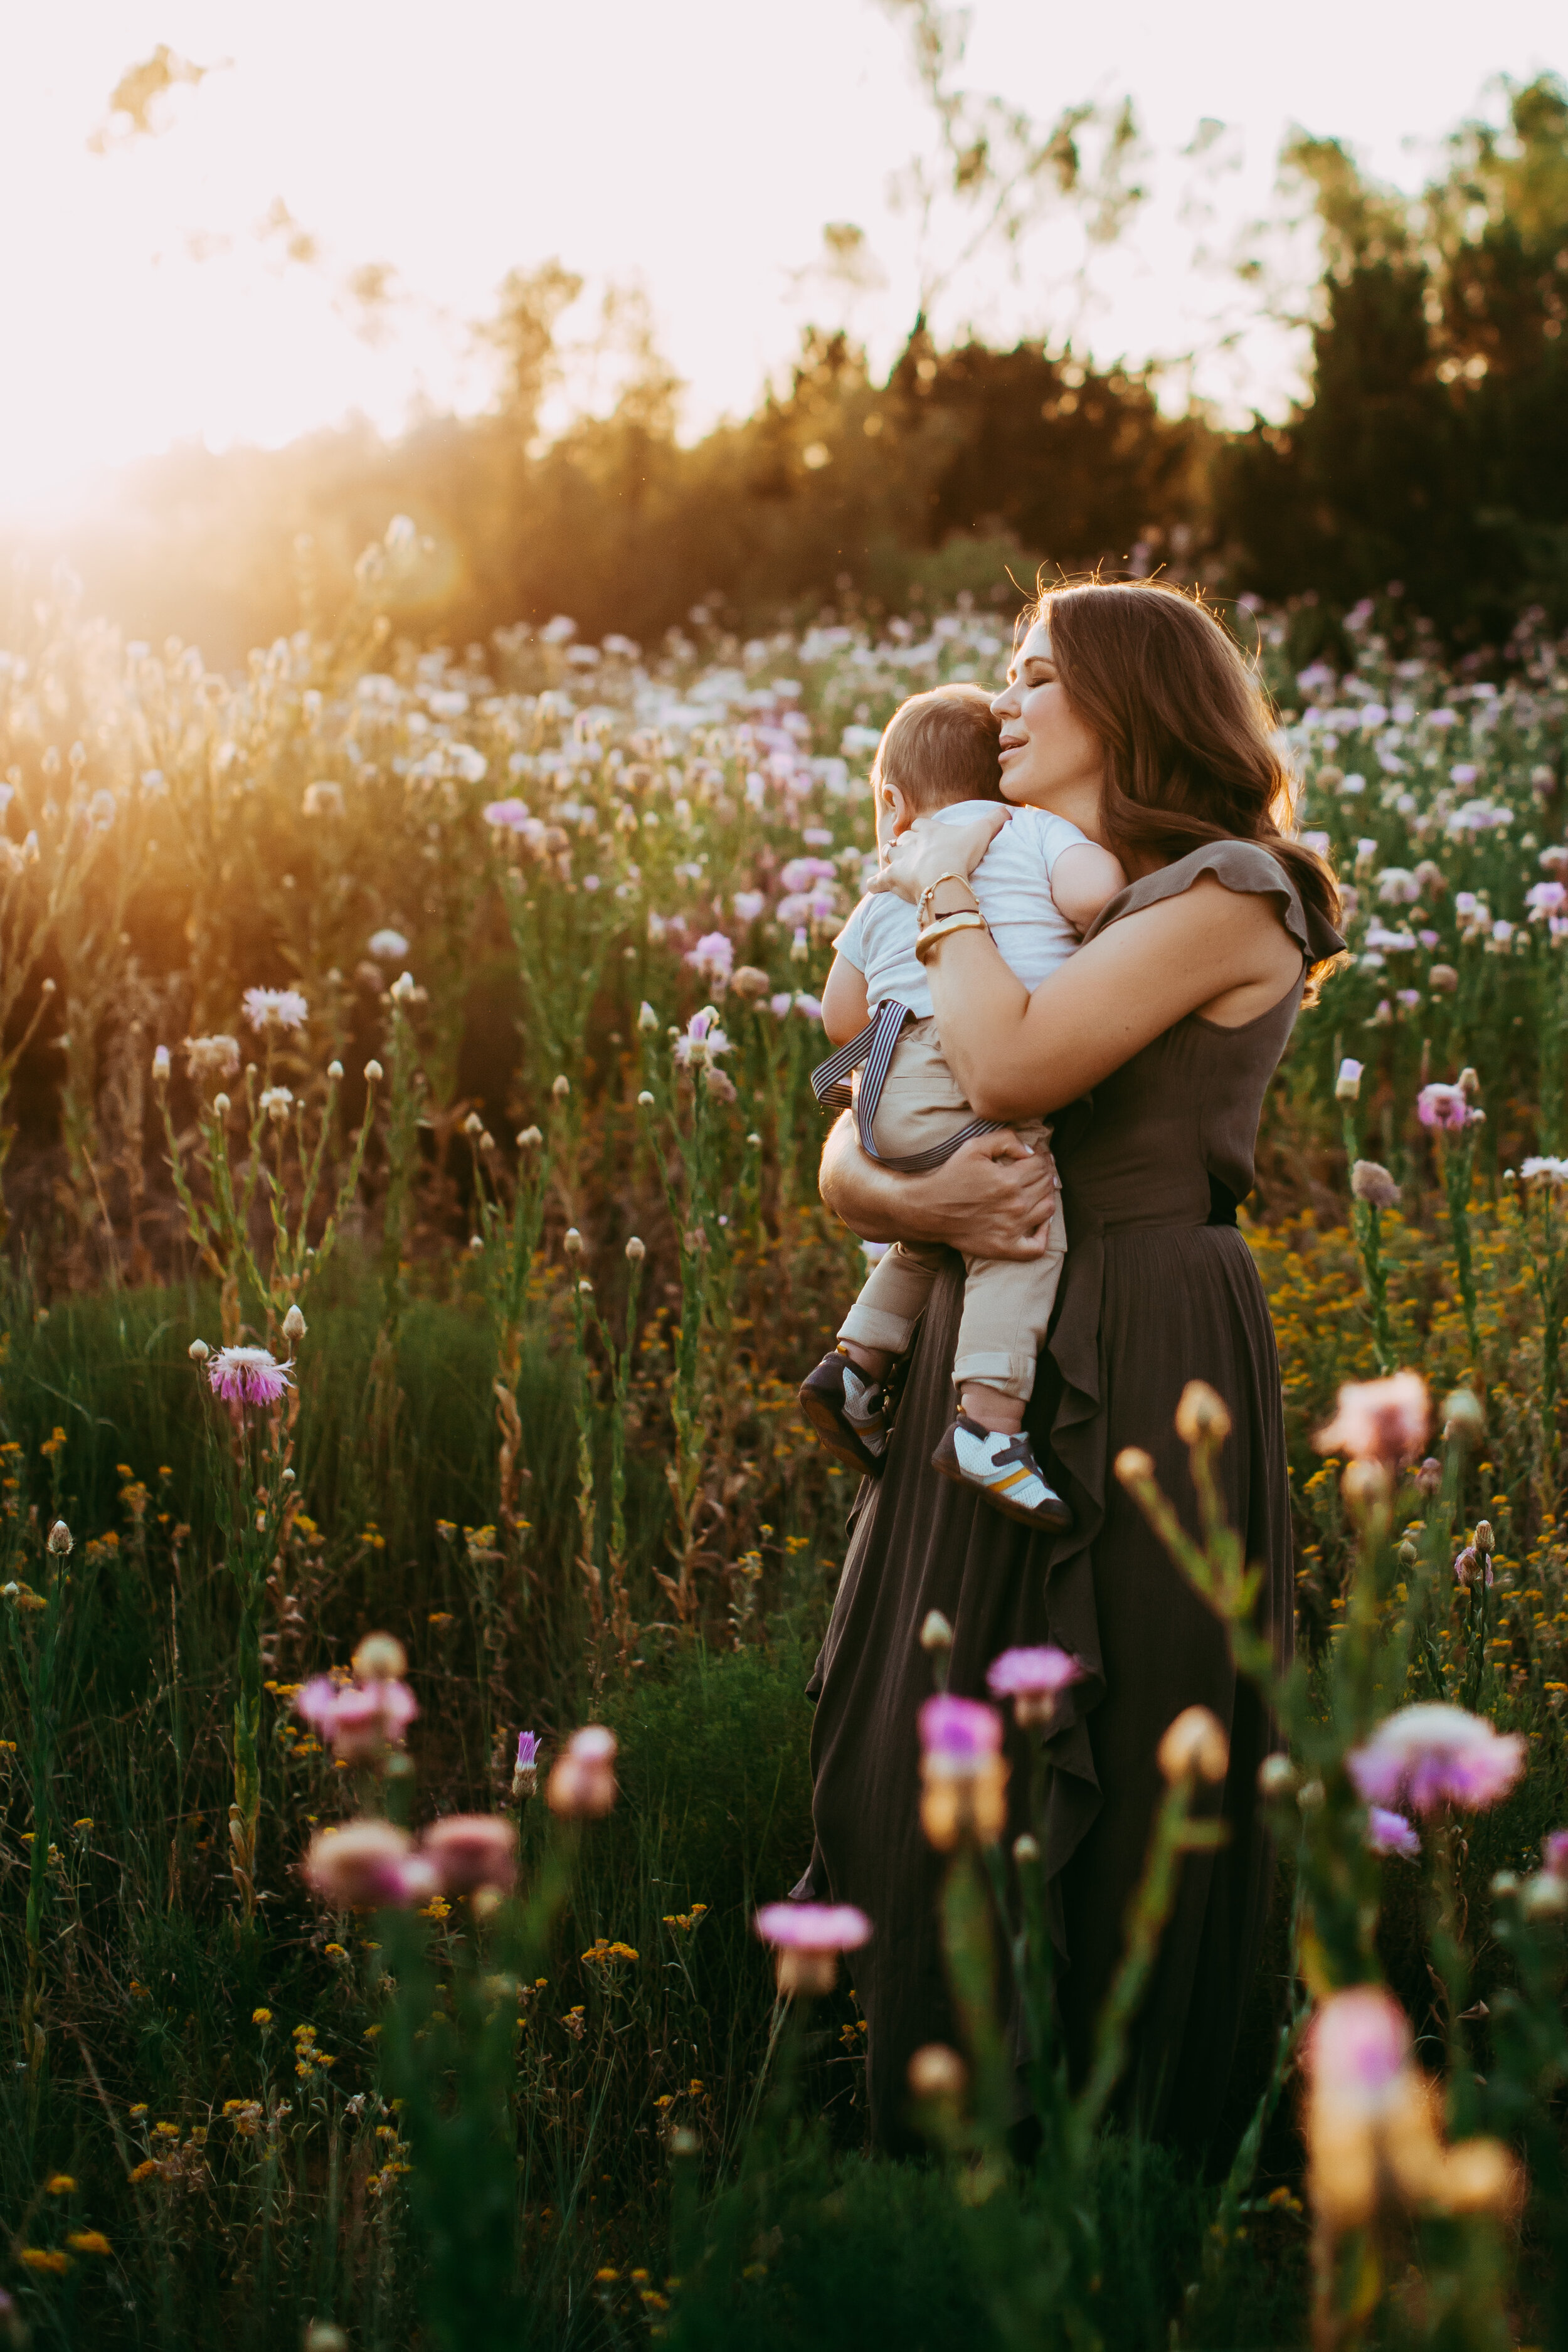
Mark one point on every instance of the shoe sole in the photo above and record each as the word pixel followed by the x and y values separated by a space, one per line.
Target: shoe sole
pixel 838 1441
pixel 1044 1521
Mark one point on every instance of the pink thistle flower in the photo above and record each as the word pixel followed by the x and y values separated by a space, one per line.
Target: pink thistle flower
pixel 1033 1679
pixel 508 816
pixel 243 1376
pixel 1389 1832
pixel 1446 1107
pixel 1471 1563
pixel 960 1732
pixel 366 1865
pixel 713 957
pixel 525 1772
pixel 964 1775
pixel 359 1720
pixel 1357 2048
pixel 802 872
pixel 1554 1855
pixel 211 1057
pixel 808 1939
pixel 471 1851
pixel 1378 1421
pixel 582 1782
pixel 703 1043
pixel 275 1008
pixel 1432 1756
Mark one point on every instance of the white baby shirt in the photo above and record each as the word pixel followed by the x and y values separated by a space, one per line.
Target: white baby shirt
pixel 1012 884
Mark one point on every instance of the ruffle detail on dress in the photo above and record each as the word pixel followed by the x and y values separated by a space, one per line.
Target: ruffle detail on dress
pixel 1243 866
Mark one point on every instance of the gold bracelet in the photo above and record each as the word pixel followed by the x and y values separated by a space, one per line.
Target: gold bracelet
pixel 925 911
pixel 968 919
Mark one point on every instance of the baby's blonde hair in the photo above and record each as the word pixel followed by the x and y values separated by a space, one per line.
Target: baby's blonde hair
pixel 941 747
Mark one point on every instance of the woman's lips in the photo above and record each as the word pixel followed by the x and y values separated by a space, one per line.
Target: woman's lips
pixel 1006 749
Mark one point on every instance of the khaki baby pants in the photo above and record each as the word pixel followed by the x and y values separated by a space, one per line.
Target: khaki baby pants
pixel 1007 1302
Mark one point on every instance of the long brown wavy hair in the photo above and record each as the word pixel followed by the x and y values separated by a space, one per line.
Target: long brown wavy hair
pixel 1187 729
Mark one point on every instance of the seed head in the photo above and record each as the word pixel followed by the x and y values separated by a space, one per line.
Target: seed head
pixel 936 1634
pixel 161 1066
pixel 198 1352
pixel 1195 1747
pixel 1463 1419
pixel 294 1325
pixel 528 1138
pixel 1133 1466
pixel 373 1073
pixel 60 1539
pixel 637 1250
pixel 937 2073
pixel 560 1086
pixel 1202 1416
pixel 380 1658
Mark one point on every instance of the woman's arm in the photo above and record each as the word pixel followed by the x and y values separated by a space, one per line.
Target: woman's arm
pixel 993 1199
pixel 1020 1056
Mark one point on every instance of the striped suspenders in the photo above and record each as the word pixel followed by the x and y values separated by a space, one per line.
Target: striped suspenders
pixel 874 1049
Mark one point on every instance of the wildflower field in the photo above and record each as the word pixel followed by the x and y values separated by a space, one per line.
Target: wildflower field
pixel 413 1558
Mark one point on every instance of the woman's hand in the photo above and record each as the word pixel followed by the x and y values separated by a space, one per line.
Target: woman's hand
pixel 993 1199
pixel 929 850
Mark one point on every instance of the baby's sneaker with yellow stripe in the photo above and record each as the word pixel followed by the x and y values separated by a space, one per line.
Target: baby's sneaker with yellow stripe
pixel 1003 1470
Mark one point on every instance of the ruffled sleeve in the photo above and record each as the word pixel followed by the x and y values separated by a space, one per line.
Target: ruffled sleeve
pixel 1242 866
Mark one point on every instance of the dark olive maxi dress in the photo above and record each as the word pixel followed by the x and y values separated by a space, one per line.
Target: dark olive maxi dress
pixel 1159 1288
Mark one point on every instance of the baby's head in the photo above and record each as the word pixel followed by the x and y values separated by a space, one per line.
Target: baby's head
pixel 936 749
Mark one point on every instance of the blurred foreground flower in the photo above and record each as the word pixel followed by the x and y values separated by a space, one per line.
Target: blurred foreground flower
pixel 1372 2123
pixel 963 1774
pixel 807 1938
pixel 1033 1679
pixel 364 1718
pixel 1194 1747
pixel 243 1376
pixel 581 1783
pixel 1378 1421
pixel 471 1851
pixel 368 1864
pixel 1433 1756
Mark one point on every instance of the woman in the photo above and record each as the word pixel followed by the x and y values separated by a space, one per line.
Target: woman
pixel 1130 711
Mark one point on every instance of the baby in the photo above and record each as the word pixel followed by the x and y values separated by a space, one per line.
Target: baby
pixel 1039 885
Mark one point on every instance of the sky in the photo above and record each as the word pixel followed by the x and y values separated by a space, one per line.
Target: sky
pixel 692 149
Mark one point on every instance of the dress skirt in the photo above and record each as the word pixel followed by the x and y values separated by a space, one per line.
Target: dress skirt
pixel 1144 1308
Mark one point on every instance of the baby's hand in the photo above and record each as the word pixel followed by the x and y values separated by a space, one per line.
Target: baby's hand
pixel 929 850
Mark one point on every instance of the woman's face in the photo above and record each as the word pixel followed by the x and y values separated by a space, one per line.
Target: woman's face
pixel 1050 758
